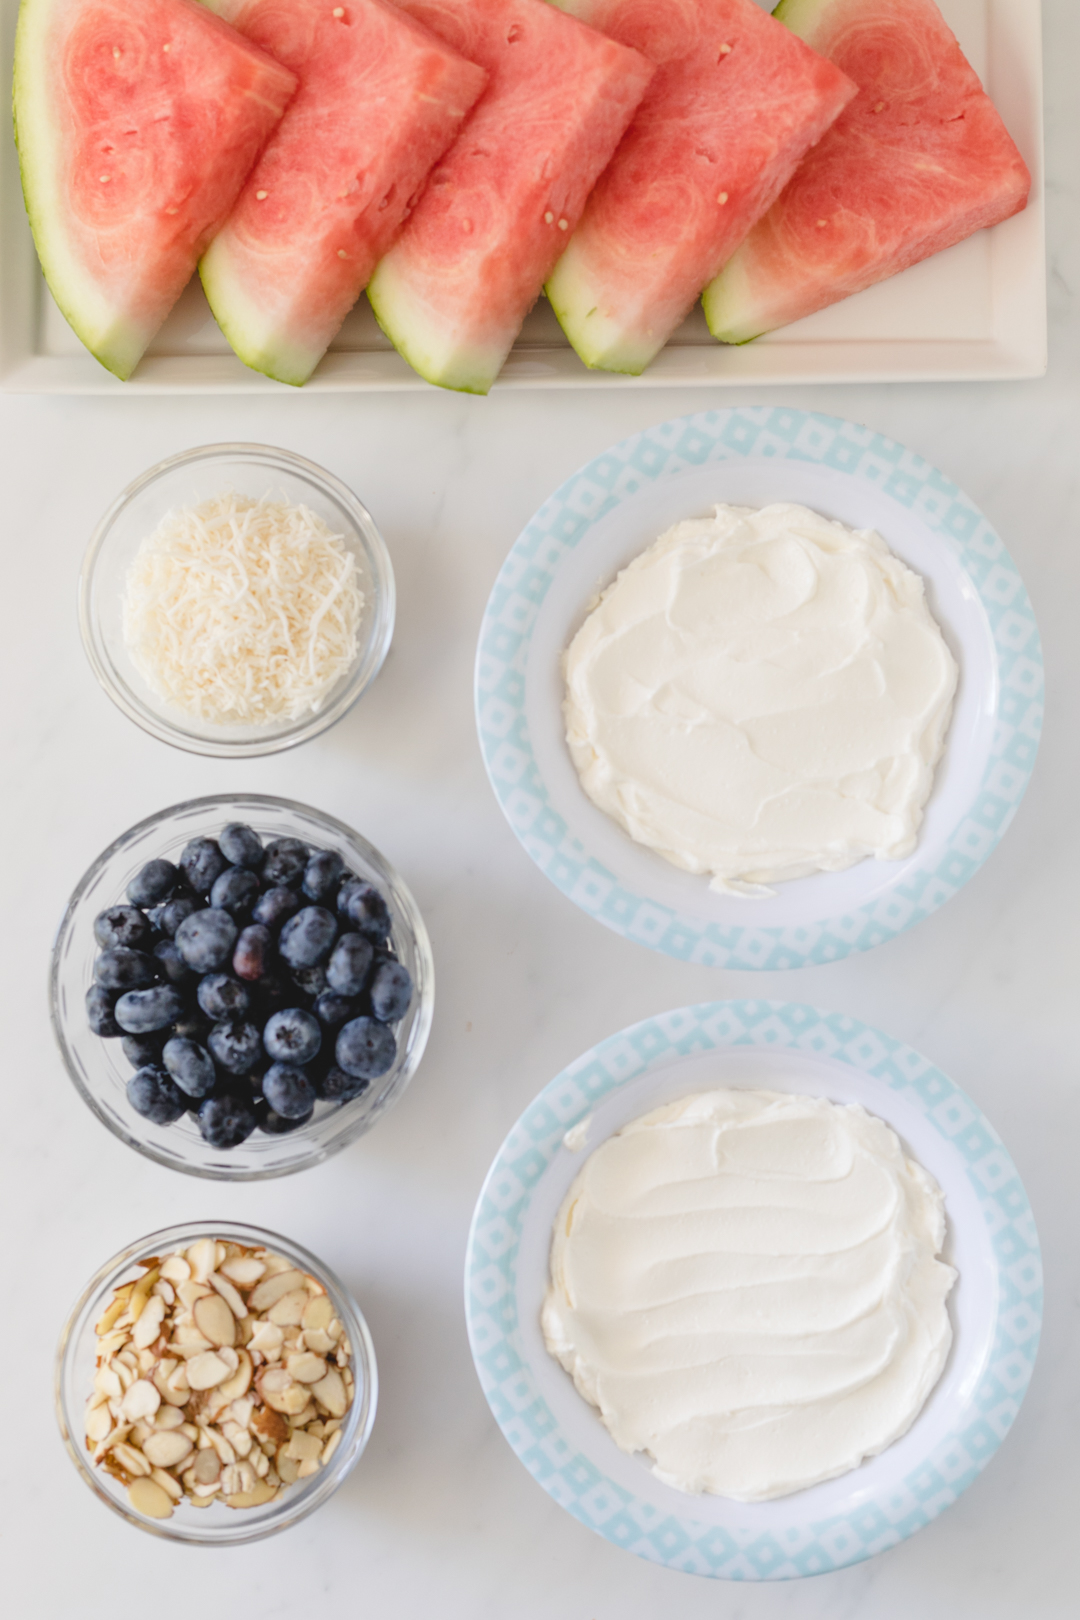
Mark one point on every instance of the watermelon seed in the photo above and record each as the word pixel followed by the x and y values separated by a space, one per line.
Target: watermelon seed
pixel 722 199
pixel 725 50
pixel 549 219
pixel 261 196
pixel 116 53
pixel 564 224
pixel 166 47
pixel 341 253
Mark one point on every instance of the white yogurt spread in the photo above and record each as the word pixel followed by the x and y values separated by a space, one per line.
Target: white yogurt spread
pixel 745 1284
pixel 761 695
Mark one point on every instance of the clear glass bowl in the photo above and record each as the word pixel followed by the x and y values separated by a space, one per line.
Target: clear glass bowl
pixel 216 1525
pixel 183 480
pixel 100 1070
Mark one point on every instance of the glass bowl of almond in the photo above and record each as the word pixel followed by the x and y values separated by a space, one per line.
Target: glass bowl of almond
pixel 215 1383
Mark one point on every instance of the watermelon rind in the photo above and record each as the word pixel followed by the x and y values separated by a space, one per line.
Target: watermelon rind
pixel 601 340
pixel 108 332
pixel 432 348
pixel 260 344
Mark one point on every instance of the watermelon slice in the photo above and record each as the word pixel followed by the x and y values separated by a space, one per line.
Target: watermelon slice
pixel 735 104
pixel 471 262
pixel 918 161
pixel 136 127
pixel 380 100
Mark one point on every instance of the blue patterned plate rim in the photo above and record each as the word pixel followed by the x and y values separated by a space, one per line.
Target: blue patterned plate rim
pixel 886 1501
pixel 824 447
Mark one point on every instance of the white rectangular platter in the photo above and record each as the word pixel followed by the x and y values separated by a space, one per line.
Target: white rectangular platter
pixel 977 311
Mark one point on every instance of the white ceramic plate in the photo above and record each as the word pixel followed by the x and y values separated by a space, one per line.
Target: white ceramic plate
pixel 995 1306
pixel 975 311
pixel 610 511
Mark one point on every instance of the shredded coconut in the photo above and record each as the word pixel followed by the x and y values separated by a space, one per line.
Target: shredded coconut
pixel 240 611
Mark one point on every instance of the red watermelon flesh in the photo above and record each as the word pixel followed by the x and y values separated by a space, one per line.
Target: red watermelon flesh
pixel 918 161
pixel 499 208
pixel 136 126
pixel 735 104
pixel 380 100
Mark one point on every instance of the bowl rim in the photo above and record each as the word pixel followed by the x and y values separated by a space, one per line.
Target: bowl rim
pixel 426 990
pixel 363 1348
pixel 367 669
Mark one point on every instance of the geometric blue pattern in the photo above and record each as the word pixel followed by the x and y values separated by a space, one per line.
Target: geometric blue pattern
pixel 675 1538
pixel 564 521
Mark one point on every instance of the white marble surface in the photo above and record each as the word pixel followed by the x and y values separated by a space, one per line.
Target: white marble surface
pixel 439 1518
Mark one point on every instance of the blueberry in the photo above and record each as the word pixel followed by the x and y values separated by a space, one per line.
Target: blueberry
pixel 306 939
pixel 390 992
pixel 139 1012
pixel 322 875
pixel 276 1125
pixel 235 891
pixel 241 845
pixel 253 953
pixel 121 969
pixel 121 925
pixel 190 1065
pixel 222 997
pixel 226 1121
pixel 337 1086
pixel 365 1048
pixel 275 906
pixel 142 1050
pixel 152 883
pixel 236 1045
pixel 169 916
pixel 205 939
pixel 332 1009
pixel 193 1025
pixel 153 1094
pixel 350 964
pixel 365 909
pixel 100 1014
pixel 268 996
pixel 288 1091
pixel 202 863
pixel 170 963
pixel 309 981
pixel 292 1036
pixel 285 861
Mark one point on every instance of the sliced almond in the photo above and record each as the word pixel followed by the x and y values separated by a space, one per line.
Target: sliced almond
pixel 242 1410
pixel 202 1257
pixel 165 1291
pixel 214 1320
pixel 269 1424
pixel 331 1446
pixel 261 1464
pixel 274 1263
pixel 148 1327
pixel 140 1401
pixel 302 1446
pixel 113 1311
pixel 319 1340
pixel 240 1382
pixel 238 1438
pixel 167 1447
pixel 107 1381
pixel 261 1492
pixel 273 1288
pixel 150 1499
pixel 207 1467
pixel 226 1454
pixel 243 1270
pixel 189 1292
pixel 224 1287
pixel 98 1423
pixel 267 1339
pixel 207 1370
pixel 305 1367
pixel 130 1459
pixel 172 1486
pixel 168 1417
pixel 289 1309
pixel 141 1293
pixel 318 1313
pixel 287 1467
pixel 330 1393
pixel 175 1269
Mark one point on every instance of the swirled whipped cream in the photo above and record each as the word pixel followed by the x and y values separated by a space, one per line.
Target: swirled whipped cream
pixel 746 1284
pixel 760 695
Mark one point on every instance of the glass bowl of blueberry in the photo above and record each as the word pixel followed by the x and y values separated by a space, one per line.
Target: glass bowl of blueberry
pixel 241 986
